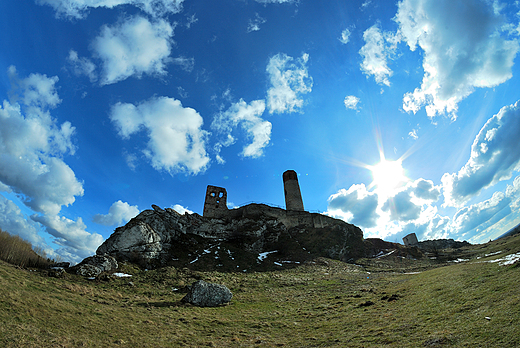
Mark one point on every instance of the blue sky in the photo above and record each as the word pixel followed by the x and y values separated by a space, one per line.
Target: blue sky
pixel 399 117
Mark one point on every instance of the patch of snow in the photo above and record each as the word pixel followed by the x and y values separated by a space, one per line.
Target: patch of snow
pixel 507 260
pixel 491 254
pixel 384 255
pixel 91 278
pixel 263 256
pixel 459 260
pixel 121 275
pixel 230 255
pixel 196 259
pixel 278 264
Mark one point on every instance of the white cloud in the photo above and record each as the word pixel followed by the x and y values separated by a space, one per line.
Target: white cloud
pixel 345 36
pixel 32 144
pixel 71 235
pixel 191 20
pixel 181 210
pixel 351 102
pixel 378 48
pixel 13 221
pixel 134 47
pixel 413 134
pixel 186 64
pixel 495 154
pixel 248 117
pixel 463 50
pixel 468 218
pixel 408 210
pixel 254 24
pixel 513 193
pixel 119 213
pixel 412 201
pixel 289 81
pixel 355 205
pixel 401 207
pixel 425 190
pixel 82 66
pixel 78 9
pixel 36 92
pixel 176 140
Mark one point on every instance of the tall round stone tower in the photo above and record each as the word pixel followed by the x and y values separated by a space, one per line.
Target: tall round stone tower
pixel 293 196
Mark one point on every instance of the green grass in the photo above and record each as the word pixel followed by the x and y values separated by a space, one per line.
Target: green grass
pixel 325 304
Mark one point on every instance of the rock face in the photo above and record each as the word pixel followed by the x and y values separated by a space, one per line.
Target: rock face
pixel 204 294
pixel 252 237
pixel 95 265
pixel 439 244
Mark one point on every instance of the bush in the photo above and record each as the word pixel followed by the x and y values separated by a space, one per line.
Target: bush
pixel 17 251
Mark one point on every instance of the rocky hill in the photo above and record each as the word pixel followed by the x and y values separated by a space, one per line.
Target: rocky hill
pixel 252 237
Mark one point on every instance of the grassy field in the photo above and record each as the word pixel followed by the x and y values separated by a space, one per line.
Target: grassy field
pixel 386 302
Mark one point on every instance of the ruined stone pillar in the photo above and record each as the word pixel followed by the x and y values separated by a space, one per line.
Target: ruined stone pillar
pixel 410 239
pixel 293 196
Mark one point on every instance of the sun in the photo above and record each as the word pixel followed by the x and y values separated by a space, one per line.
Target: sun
pixel 388 176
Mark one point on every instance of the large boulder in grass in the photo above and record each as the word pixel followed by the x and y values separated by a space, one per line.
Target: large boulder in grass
pixel 204 294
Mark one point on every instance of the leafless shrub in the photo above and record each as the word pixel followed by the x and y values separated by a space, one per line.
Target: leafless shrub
pixel 17 251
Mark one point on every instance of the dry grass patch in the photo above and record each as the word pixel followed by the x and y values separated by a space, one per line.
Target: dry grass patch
pixel 324 304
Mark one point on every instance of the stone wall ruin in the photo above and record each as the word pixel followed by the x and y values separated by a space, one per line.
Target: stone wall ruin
pixel 410 240
pixel 215 204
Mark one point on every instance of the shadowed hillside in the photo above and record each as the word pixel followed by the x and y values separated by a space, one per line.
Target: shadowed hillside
pixel 385 300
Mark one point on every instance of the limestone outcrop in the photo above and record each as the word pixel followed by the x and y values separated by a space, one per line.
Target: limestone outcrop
pixel 440 244
pixel 95 265
pixel 252 237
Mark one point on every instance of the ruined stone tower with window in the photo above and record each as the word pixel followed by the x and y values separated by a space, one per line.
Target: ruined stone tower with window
pixel 215 204
pixel 293 196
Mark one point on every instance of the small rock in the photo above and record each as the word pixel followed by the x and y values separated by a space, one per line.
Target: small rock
pixel 204 294
pixel 60 265
pixel 89 271
pixel 56 272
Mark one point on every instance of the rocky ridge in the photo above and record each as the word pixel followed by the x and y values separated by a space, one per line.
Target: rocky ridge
pixel 252 237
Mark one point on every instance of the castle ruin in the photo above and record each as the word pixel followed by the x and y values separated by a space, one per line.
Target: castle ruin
pixel 410 240
pixel 293 196
pixel 215 204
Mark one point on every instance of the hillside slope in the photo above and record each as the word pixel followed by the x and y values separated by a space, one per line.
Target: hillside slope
pixel 321 303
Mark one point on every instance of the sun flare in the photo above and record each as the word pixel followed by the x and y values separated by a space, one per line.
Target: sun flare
pixel 388 176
